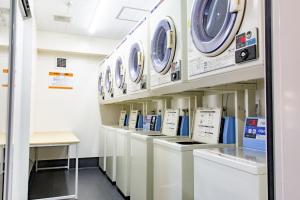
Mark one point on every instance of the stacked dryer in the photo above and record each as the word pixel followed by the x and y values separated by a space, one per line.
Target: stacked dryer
pixel 168 44
pixel 138 58
pixel 120 65
pixel 101 93
pixel 108 78
pixel 226 38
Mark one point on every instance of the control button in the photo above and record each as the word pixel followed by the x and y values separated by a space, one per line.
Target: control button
pixel 249 35
pixel 244 54
pixel 174 76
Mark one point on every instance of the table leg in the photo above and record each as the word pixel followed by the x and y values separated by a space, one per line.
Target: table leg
pixel 36 159
pixel 76 172
pixel 68 149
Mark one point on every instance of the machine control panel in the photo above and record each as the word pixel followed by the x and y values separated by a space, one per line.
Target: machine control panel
pixel 207 123
pixel 255 133
pixel 176 71
pixel 150 122
pixel 143 82
pixel 246 46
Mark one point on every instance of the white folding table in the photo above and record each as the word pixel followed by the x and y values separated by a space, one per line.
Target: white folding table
pixel 57 139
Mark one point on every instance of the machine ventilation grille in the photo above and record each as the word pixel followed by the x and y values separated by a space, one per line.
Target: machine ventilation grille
pixel 61 18
pixel 131 14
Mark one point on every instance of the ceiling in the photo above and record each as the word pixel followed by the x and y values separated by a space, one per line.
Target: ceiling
pixel 115 18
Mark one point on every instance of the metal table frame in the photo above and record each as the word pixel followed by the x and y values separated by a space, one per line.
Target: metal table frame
pixel 74 196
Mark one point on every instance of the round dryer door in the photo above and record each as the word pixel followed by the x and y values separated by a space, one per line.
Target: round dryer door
pixel 136 62
pixel 163 46
pixel 215 23
pixel 119 73
pixel 108 82
pixel 100 82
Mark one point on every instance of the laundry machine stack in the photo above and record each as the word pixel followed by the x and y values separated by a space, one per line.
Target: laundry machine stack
pixel 138 58
pixel 226 38
pixel 168 44
pixel 121 69
pixel 108 78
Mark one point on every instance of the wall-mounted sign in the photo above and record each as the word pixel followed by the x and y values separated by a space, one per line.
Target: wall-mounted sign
pixel 4 77
pixel 59 80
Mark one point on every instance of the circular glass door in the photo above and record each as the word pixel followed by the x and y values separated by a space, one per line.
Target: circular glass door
pixel 100 86
pixel 136 62
pixel 163 46
pixel 119 73
pixel 108 82
pixel 214 24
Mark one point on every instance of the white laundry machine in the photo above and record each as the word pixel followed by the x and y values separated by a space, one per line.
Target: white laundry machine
pixel 234 173
pixel 138 58
pixel 120 69
pixel 168 46
pixel 123 157
pixel 110 152
pixel 225 37
pixel 230 174
pixel 141 181
pixel 102 148
pixel 173 157
pixel 108 78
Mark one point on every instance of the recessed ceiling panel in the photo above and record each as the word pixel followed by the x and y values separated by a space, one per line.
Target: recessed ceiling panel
pixel 132 14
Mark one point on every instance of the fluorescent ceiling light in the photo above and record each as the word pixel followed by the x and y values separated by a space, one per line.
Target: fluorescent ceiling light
pixel 97 15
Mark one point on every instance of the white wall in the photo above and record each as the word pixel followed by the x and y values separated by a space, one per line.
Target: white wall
pixel 75 43
pixel 69 110
pixel 286 81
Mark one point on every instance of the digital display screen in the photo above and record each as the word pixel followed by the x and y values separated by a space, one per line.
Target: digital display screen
pixel 252 122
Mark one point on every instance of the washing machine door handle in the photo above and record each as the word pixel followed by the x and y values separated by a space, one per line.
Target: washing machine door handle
pixel 235 6
pixel 170 39
pixel 140 60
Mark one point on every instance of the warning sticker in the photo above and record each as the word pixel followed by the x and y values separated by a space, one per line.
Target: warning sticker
pixel 59 80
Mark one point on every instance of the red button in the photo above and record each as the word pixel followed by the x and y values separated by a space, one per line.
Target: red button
pixel 243 40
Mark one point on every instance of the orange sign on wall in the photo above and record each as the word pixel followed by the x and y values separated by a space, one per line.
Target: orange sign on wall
pixel 60 80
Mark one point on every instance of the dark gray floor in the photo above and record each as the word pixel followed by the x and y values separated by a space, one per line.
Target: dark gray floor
pixel 93 185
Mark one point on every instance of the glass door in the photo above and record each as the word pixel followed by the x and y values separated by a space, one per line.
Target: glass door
pixel 4 85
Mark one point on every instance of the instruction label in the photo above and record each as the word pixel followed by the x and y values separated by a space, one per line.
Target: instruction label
pixel 122 118
pixel 60 80
pixel 170 124
pixel 133 119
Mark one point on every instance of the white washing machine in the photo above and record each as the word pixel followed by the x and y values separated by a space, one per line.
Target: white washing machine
pixel 123 160
pixel 138 59
pixel 110 152
pixel 108 78
pixel 141 181
pixel 168 44
pixel 123 157
pixel 173 157
pixel 230 174
pixel 102 147
pixel 120 65
pixel 226 36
